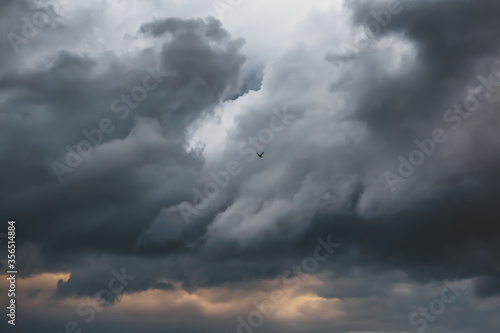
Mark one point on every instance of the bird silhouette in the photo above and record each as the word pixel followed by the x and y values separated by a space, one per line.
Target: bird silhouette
pixel 260 155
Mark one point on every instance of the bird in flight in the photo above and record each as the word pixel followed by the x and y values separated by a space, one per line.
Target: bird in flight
pixel 260 155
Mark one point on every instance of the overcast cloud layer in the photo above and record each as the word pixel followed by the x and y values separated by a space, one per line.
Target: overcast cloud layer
pixel 380 126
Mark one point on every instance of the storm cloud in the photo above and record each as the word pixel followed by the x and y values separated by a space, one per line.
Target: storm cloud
pixel 379 122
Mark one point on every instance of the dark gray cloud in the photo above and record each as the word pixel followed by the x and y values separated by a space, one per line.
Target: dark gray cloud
pixel 487 287
pixel 323 174
pixel 47 108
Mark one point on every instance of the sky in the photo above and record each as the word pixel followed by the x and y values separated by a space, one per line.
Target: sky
pixel 129 133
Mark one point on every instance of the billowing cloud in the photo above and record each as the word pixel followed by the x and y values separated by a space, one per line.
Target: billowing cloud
pixel 131 135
